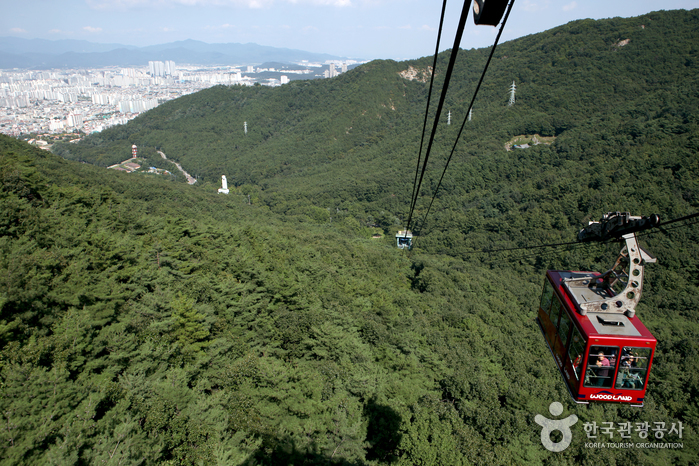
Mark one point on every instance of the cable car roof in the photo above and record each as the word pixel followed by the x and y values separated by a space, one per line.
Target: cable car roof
pixel 595 323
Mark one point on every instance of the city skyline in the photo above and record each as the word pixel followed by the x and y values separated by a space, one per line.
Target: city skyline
pixel 364 29
pixel 91 100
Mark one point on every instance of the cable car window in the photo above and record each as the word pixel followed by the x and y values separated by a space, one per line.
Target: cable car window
pixel 633 368
pixel 600 366
pixel 564 328
pixel 576 351
pixel 546 296
pixel 555 311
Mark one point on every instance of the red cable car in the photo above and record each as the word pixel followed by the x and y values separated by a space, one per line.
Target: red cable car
pixel 603 351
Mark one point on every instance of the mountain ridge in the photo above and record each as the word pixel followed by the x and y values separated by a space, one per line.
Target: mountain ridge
pixel 46 54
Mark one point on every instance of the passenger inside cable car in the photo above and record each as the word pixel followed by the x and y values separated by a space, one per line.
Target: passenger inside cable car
pixel 633 368
pixel 600 366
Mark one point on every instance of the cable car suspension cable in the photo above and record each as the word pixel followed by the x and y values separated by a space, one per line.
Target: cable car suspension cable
pixel 440 105
pixel 427 109
pixel 579 243
pixel 470 106
pixel 686 217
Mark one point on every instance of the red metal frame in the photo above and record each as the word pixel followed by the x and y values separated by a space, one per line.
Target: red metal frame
pixel 592 337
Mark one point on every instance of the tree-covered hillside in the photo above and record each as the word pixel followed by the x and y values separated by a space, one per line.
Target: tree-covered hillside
pixel 146 321
pixel 355 137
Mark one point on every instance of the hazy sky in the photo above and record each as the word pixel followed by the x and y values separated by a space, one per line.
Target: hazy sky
pixel 397 29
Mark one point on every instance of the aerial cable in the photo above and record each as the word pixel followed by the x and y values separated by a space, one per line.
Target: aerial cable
pixel 429 97
pixel 686 217
pixel 665 230
pixel 442 97
pixel 473 99
pixel 555 251
pixel 552 252
pixel 551 245
pixel 575 244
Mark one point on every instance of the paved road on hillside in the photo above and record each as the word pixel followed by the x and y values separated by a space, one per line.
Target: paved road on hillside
pixel 190 178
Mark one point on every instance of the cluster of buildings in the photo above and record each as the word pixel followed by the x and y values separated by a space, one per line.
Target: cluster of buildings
pixel 87 101
pixel 331 72
pixel 158 68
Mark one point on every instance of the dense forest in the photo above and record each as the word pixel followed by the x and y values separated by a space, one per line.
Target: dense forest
pixel 147 321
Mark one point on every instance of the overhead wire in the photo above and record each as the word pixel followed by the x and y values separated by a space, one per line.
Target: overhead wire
pixel 686 217
pixel 452 60
pixel 473 99
pixel 577 244
pixel 429 98
pixel 541 246
pixel 523 247
pixel 660 229
pixel 559 249
pixel 440 105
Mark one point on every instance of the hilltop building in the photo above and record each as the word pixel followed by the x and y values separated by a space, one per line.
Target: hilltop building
pixel 331 72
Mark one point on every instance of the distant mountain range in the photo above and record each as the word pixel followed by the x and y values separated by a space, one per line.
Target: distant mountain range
pixel 50 54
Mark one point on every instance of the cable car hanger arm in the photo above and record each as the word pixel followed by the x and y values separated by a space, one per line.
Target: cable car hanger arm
pixel 616 225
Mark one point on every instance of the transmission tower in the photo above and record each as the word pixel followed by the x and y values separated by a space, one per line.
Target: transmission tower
pixel 245 127
pixel 512 93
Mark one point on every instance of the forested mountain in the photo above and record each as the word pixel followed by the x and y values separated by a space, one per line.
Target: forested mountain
pixel 145 321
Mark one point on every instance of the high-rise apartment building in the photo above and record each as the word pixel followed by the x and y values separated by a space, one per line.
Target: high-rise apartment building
pixel 158 68
pixel 74 119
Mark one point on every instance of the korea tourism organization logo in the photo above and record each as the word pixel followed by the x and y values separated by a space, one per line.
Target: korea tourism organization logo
pixel 650 435
pixel 548 426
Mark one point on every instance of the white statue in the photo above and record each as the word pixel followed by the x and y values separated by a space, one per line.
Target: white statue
pixel 224 185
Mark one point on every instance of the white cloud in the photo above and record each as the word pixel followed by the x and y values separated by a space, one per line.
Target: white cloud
pixel 91 29
pixel 17 31
pixel 570 6
pixel 216 28
pixel 531 6
pixel 117 4
pixel 58 31
pixel 252 4
pixel 339 3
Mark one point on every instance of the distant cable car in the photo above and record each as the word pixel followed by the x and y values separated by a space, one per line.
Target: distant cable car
pixel 404 239
pixel 603 351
